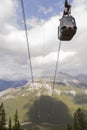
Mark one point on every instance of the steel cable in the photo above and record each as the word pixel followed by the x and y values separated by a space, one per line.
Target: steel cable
pixel 57 65
pixel 27 40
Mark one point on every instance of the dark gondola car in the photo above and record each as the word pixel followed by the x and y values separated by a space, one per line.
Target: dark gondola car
pixel 67 28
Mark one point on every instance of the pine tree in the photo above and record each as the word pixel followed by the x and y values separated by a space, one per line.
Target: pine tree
pixel 80 122
pixel 69 126
pixel 2 117
pixel 16 122
pixel 10 124
pixel 16 118
pixel 18 125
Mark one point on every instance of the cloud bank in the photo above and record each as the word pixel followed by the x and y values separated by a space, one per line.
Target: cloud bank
pixel 43 43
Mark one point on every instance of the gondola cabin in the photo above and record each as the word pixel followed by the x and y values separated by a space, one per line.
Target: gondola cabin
pixel 67 28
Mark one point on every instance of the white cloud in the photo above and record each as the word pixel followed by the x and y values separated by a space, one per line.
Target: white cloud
pixel 51 58
pixel 45 11
pixel 59 4
pixel 33 22
pixel 7 14
pixel 43 43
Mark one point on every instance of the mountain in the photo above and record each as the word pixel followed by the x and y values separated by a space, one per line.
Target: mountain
pixel 61 79
pixel 11 84
pixel 82 78
pixel 67 80
pixel 52 108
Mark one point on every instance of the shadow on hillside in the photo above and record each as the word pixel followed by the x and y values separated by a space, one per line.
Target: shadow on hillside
pixel 48 110
pixel 80 99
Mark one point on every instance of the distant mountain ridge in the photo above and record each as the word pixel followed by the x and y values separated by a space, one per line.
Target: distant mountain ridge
pixel 67 79
pixel 4 84
pixel 82 78
pixel 62 79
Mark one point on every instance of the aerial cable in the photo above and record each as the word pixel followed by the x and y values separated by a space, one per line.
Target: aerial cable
pixel 43 43
pixel 27 40
pixel 57 65
pixel 56 69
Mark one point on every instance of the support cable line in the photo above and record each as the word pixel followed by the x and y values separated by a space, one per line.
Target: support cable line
pixel 56 70
pixel 57 65
pixel 27 40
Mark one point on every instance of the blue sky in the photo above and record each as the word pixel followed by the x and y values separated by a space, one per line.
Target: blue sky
pixel 40 9
pixel 42 18
pixel 34 7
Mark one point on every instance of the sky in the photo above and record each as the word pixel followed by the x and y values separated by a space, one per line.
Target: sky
pixel 42 18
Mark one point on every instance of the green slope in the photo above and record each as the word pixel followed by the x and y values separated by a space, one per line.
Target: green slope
pixel 50 112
